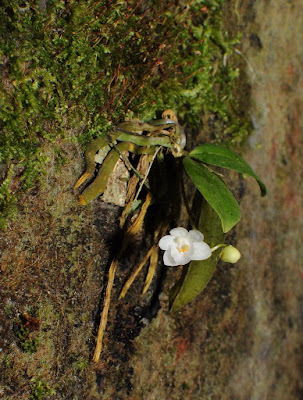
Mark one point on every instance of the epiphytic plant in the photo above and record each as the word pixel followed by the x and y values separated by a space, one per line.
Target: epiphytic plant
pixel 198 251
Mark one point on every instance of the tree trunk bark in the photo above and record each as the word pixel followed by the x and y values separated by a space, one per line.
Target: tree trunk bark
pixel 242 337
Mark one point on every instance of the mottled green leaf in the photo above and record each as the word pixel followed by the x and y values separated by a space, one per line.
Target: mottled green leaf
pixel 226 158
pixel 197 274
pixel 215 192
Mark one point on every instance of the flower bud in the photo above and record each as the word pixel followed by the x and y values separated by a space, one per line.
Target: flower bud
pixel 230 254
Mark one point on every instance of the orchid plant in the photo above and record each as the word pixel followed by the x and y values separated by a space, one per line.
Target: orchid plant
pixel 198 252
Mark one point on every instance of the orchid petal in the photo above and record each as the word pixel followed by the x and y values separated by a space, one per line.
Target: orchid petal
pixel 195 235
pixel 181 258
pixel 179 232
pixel 201 251
pixel 169 260
pixel 166 242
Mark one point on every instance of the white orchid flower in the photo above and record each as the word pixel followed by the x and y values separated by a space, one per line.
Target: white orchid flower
pixel 182 246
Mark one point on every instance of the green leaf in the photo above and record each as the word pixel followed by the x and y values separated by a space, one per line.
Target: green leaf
pixel 197 274
pixel 215 192
pixel 226 158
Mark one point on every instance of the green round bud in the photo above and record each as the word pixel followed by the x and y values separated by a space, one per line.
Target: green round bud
pixel 230 254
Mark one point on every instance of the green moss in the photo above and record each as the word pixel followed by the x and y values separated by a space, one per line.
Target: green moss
pixel 70 70
pixel 80 365
pixel 40 390
pixel 27 330
pixel 27 343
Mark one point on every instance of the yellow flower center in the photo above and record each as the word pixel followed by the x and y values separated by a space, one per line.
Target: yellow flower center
pixel 182 245
pixel 183 249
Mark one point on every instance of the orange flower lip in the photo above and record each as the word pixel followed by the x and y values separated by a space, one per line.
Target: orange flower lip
pixel 183 249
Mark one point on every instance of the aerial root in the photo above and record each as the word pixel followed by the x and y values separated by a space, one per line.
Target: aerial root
pixel 152 255
pixel 151 270
pixel 136 271
pixel 131 231
pixel 82 179
pixel 104 314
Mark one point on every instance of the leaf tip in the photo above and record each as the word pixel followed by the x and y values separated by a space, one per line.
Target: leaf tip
pixel 263 189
